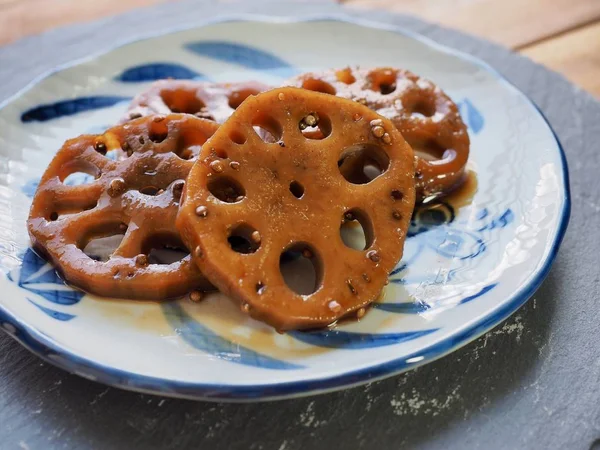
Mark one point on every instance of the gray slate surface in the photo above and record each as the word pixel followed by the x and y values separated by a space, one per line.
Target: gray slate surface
pixel 532 383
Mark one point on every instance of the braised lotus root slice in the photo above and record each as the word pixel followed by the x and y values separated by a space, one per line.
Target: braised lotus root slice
pixel 427 118
pixel 136 196
pixel 248 202
pixel 212 101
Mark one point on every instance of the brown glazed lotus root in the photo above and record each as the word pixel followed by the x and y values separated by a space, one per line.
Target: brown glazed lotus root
pixel 136 195
pixel 248 201
pixel 427 118
pixel 212 101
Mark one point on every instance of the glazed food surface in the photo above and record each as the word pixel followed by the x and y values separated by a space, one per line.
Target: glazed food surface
pixel 281 177
pixel 135 193
pixel 427 118
pixel 212 101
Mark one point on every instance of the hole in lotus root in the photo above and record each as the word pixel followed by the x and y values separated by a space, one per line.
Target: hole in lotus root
pixel 315 126
pixel 236 98
pixel 313 84
pixel 150 190
pixel 116 155
pixel 356 230
pixel 220 153
pixel 78 173
pixel 301 269
pixel 238 137
pixel 189 153
pixel 383 81
pixel 190 142
pixel 101 249
pixel 296 189
pixel 78 179
pixel 424 108
pixel 345 76
pixel 164 249
pixel 386 89
pixel 267 128
pixel 428 150
pixel 182 100
pixel 226 189
pixel 158 131
pixel 244 239
pixel 100 242
pixel 362 163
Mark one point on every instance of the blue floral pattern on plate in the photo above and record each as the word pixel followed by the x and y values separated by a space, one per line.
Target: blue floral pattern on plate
pixel 243 55
pixel 49 111
pixel 158 71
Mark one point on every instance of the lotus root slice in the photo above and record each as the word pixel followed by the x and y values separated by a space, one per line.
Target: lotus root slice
pixel 249 201
pixel 212 101
pixel 427 118
pixel 136 193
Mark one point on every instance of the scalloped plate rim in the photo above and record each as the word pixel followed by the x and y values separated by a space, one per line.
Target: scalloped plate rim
pixel 43 346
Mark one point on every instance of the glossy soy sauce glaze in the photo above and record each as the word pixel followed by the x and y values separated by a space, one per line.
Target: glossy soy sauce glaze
pixel 463 195
pixel 436 211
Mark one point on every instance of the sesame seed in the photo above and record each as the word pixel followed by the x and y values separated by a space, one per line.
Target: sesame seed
pixel 378 131
pixel 141 260
pixel 100 147
pixel 373 256
pixel 311 120
pixel 216 166
pixel 334 306
pixel 196 296
pixel 202 211
pixel 116 187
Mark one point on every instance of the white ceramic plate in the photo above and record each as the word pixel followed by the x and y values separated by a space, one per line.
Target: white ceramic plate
pixel 466 268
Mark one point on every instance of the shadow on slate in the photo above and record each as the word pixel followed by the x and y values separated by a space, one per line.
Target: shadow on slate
pixel 406 410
